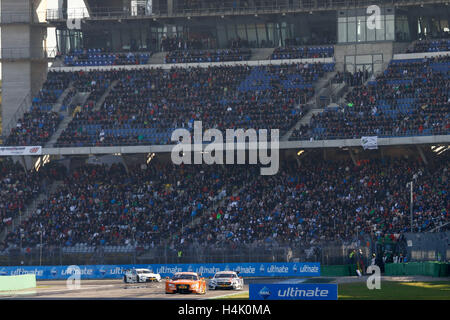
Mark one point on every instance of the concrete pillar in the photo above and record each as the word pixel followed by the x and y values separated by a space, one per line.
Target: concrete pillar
pixel 352 156
pixel 23 58
pixel 170 7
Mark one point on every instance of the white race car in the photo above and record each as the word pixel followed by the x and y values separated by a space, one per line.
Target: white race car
pixel 226 280
pixel 140 275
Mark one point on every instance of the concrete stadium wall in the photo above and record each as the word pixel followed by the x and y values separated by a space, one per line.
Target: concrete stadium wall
pixel 23 64
pixel 15 5
pixel 343 50
pixel 16 84
pixel 12 283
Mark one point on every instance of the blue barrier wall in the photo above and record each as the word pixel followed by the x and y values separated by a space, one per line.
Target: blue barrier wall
pixel 276 269
pixel 278 291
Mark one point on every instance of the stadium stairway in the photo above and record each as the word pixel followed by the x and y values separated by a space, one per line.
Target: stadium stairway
pixel 338 94
pixel 100 102
pixel 79 99
pixel 236 191
pixel 261 53
pixel 157 58
pixel 58 62
pixel 149 253
pixel 30 208
pixel 303 121
pixel 322 89
pixel 58 104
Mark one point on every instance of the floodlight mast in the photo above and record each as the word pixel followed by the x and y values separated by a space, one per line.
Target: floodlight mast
pixel 411 203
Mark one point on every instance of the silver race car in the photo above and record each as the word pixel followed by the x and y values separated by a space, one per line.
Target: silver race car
pixel 140 275
pixel 226 280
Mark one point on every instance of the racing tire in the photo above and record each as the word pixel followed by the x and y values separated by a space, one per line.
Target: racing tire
pixel 204 289
pixel 125 279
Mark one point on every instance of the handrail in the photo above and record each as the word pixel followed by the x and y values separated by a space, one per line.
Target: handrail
pixel 439 227
pixel 28 53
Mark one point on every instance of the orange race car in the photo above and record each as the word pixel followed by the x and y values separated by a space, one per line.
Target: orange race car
pixel 186 282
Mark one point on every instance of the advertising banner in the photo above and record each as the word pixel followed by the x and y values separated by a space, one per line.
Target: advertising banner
pixel 21 151
pixel 304 291
pixel 276 269
pixel 369 143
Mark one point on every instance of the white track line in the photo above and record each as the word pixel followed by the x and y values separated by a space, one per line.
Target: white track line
pixel 228 295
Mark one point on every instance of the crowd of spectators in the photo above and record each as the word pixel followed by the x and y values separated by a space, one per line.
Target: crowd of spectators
pixel 201 49
pixel 114 205
pixel 410 98
pixel 313 40
pixel 38 124
pixel 99 57
pixel 19 187
pixel 316 200
pixel 292 52
pixel 329 201
pixel 146 105
pixel 432 45
pixel 176 43
pixel 218 55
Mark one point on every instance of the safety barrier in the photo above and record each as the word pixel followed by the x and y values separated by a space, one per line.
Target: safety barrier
pixel 338 270
pixel 20 282
pixel 432 269
pixel 276 269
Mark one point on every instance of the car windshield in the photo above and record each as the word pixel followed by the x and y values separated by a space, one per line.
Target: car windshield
pixel 225 275
pixel 143 271
pixel 185 277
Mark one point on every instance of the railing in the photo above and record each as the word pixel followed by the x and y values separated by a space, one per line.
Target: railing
pixel 429 246
pixel 381 134
pixel 416 247
pixel 439 227
pixel 325 253
pixel 225 7
pixel 28 53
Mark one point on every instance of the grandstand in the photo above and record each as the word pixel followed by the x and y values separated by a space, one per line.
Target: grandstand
pixel 126 74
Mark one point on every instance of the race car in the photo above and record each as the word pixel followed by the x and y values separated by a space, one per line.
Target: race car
pixel 186 282
pixel 226 280
pixel 140 275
